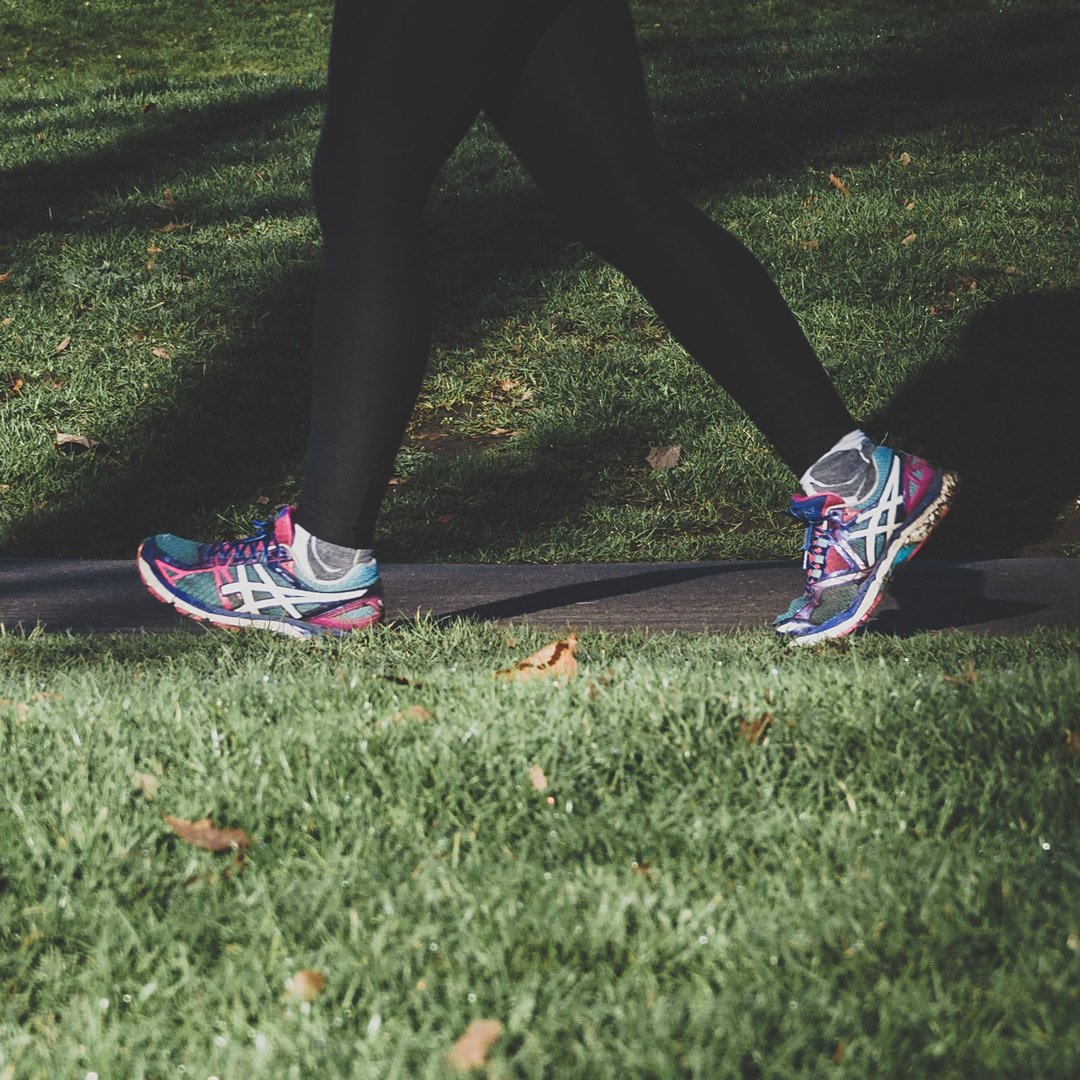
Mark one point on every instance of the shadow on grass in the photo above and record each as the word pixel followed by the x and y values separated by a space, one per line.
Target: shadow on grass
pixel 998 411
pixel 1002 412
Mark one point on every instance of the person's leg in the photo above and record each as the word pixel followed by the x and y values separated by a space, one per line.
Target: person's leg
pixel 577 115
pixel 406 80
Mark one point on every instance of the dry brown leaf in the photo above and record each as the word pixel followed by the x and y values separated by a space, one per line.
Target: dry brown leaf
pixel 500 431
pixel 1072 743
pixel 663 457
pixel 168 196
pixel 76 442
pixel 970 674
pixel 7 320
pixel 839 185
pixel 752 730
pixel 4 276
pixel 173 226
pixel 471 1050
pixel 537 778
pixel 153 249
pixel 62 345
pixel 558 660
pixel 417 713
pixel 905 158
pixel 161 354
pixel 204 834
pixel 909 239
pixel 810 245
pixel 305 985
pixel 16 385
pixel 145 782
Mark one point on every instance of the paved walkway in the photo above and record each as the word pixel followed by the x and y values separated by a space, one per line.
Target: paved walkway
pixel 1005 596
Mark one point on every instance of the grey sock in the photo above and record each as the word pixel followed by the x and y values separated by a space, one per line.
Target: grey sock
pixel 324 563
pixel 848 469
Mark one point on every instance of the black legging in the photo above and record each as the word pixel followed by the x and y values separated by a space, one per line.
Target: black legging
pixel 561 81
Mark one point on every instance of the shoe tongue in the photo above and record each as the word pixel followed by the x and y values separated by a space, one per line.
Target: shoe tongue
pixel 283 526
pixel 811 508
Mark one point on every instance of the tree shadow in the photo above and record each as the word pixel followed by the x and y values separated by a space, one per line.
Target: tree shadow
pixel 236 435
pixel 1002 412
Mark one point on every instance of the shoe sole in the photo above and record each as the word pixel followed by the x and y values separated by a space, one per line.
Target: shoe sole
pixel 239 622
pixel 910 540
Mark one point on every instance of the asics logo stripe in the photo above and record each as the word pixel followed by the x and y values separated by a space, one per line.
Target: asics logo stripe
pixel 883 517
pixel 259 592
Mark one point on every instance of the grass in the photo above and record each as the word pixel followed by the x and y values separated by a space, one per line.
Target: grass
pixel 858 861
pixel 954 123
pixel 882 883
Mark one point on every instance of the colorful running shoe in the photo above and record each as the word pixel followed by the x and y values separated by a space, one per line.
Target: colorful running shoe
pixel 851 551
pixel 254 582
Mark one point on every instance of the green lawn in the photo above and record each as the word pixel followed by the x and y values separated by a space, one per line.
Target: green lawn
pixel 882 883
pixel 855 861
pixel 955 124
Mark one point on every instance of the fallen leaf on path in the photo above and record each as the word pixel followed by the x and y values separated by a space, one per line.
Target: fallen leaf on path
pixel 839 185
pixel 305 985
pixel 471 1050
pixel 537 778
pixel 62 345
pixel 204 834
pixel 663 457
pixel 558 659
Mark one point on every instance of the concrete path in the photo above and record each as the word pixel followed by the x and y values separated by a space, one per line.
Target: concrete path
pixel 1004 596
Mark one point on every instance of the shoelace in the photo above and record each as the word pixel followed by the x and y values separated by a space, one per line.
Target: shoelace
pixel 252 548
pixel 817 542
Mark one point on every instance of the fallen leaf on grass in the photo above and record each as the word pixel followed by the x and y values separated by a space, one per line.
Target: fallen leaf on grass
pixel 173 226
pixel 61 346
pixel 168 196
pixel 161 354
pixel 4 276
pixel 204 834
pixel 909 239
pixel 416 713
pixel 752 730
pixel 305 985
pixel 663 457
pixel 537 778
pixel 502 431
pixel 558 660
pixel 905 158
pixel 74 442
pixel 839 185
pixel 145 782
pixel 471 1050
pixel 970 674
